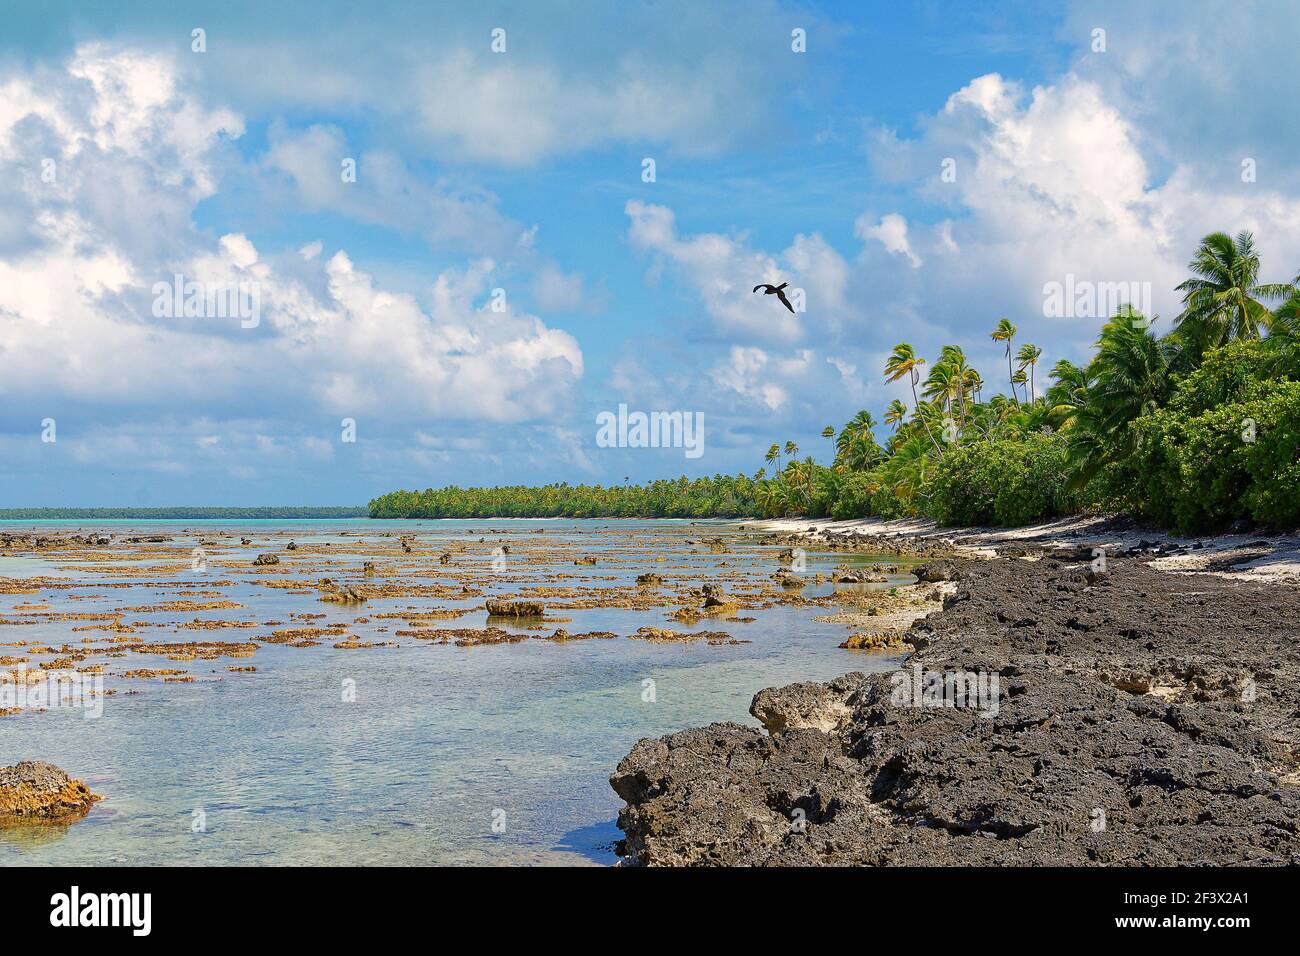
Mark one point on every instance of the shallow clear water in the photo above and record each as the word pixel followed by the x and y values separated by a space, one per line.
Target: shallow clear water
pixel 441 741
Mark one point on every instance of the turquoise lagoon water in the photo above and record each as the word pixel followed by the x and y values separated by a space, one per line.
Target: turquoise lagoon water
pixel 441 742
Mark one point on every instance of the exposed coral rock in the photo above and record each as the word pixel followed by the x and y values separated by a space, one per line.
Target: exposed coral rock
pixel 195 650
pixel 1146 722
pixel 823 707
pixel 936 571
pixel 352 642
pixel 267 559
pixel 472 637
pixel 36 792
pixel 659 635
pixel 857 576
pixel 345 595
pixel 148 673
pixel 497 607
pixel 876 642
pixel 561 636
pixel 714 596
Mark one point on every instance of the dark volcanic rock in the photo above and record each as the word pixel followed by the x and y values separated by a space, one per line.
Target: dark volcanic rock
pixel 1145 719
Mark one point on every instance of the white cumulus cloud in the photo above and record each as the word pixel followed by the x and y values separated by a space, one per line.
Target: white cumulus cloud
pixel 77 316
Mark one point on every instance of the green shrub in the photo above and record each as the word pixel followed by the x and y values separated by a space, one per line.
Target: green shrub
pixel 1227 375
pixel 963 491
pixel 853 498
pixel 1004 482
pixel 886 503
pixel 1274 461
pixel 1200 471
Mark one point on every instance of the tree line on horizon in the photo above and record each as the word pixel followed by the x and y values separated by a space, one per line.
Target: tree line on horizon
pixel 1193 430
pixel 181 512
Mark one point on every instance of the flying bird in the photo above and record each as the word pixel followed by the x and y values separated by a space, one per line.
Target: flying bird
pixel 776 291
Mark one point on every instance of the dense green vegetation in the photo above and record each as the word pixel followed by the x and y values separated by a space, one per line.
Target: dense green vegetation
pixel 1193 429
pixel 718 497
pixel 177 513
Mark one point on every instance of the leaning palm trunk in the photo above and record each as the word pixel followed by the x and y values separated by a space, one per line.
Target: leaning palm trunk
pixel 916 403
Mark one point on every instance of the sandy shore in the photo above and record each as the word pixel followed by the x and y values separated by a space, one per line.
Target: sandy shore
pixel 1258 555
pixel 1056 711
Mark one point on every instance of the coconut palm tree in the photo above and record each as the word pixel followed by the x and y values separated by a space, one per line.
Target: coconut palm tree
pixel 953 357
pixel 1029 355
pixel 941 387
pixel 1284 336
pixel 1222 300
pixel 903 361
pixel 895 413
pixel 1067 394
pixel 767 497
pixel 861 455
pixel 791 449
pixel 856 445
pixel 941 384
pixel 984 418
pixel 908 469
pixel 1130 375
pixel 933 416
pixel 862 426
pixel 774 455
pixel 1000 409
pixel 829 433
pixel 799 476
pixel 1005 332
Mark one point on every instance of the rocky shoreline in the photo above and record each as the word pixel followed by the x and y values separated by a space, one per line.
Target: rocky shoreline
pixel 1057 710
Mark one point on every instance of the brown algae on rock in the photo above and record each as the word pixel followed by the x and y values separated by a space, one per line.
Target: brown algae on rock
pixel 33 791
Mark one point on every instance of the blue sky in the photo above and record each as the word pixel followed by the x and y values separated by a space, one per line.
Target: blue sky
pixel 521 171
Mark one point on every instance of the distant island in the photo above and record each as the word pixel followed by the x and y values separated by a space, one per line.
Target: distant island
pixel 721 496
pixel 177 513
